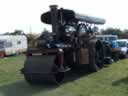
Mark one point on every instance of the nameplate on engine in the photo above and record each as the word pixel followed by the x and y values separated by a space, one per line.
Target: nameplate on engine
pixel 36 54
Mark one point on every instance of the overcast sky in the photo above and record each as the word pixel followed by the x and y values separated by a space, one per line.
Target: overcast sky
pixel 25 14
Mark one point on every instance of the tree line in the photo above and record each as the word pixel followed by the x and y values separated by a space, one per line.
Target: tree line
pixel 123 34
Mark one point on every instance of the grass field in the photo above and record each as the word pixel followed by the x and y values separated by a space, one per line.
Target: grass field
pixel 110 81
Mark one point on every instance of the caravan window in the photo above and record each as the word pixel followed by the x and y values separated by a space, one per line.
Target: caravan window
pixel 1 44
pixel 8 44
pixel 19 42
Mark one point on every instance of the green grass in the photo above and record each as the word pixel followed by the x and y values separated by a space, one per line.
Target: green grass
pixel 110 81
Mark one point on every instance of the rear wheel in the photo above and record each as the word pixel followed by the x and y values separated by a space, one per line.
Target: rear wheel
pixel 93 68
pixel 99 58
pixel 59 76
pixel 96 57
pixel 99 54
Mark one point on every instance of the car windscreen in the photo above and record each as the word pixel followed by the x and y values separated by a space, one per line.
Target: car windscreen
pixel 112 38
pixel 122 44
pixel 99 38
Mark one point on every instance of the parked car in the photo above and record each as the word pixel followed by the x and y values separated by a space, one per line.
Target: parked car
pixel 107 37
pixel 123 45
pixel 12 44
pixel 112 50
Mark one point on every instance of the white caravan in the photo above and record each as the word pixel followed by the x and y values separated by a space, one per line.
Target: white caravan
pixel 12 44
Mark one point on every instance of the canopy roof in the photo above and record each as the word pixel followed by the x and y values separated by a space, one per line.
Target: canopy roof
pixel 71 15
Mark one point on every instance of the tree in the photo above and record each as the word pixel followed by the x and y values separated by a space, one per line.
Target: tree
pixel 124 34
pixel 16 32
pixel 113 31
pixel 31 40
pixel 7 33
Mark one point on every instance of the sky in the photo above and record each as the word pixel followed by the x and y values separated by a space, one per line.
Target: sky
pixel 25 14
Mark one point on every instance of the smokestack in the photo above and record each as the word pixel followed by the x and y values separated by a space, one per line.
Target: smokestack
pixel 54 20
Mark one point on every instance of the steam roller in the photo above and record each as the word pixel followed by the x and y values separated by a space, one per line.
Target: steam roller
pixel 73 47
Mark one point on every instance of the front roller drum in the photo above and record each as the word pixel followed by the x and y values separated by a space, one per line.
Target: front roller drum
pixel 40 78
pixel 40 68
